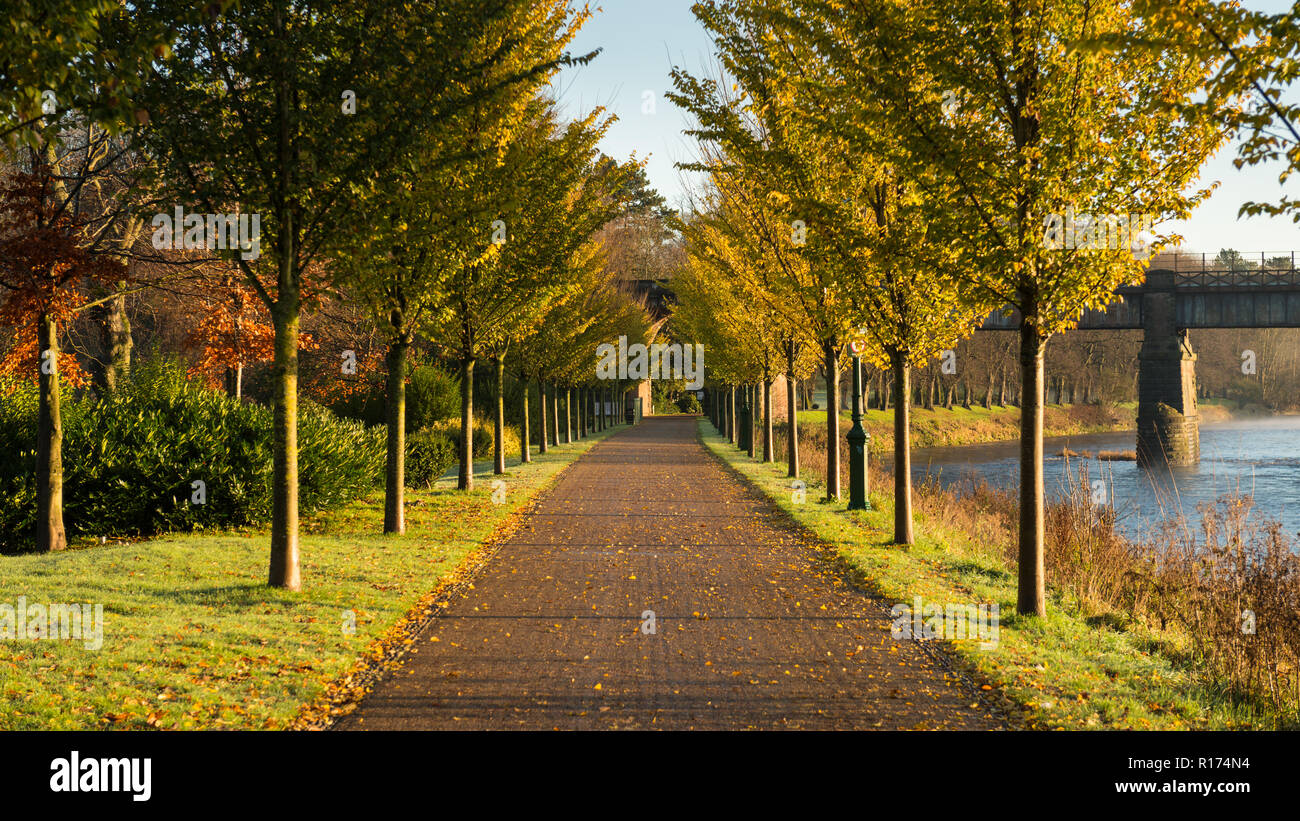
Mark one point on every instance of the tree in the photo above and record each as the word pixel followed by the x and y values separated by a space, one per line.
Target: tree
pixel 869 213
pixel 1232 261
pixel 561 346
pixel 289 111
pixel 736 246
pixel 547 193
pixel 779 154
pixel 1259 55
pixel 233 330
pixel 46 252
pixel 567 198
pixel 718 305
pixel 1040 138
pixel 56 57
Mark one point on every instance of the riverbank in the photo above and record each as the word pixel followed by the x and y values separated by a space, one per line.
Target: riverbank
pixel 976 425
pixel 1131 641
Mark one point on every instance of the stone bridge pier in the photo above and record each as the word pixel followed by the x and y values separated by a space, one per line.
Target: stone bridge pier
pixel 1167 420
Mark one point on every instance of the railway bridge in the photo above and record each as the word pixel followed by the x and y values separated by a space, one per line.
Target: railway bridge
pixel 1183 293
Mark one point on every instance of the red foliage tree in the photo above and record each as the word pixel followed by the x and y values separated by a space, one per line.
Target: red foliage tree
pixel 233 330
pixel 45 259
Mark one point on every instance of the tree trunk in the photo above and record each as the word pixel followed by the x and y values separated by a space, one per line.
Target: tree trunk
pixel 767 419
pixel 555 414
pixel 792 415
pixel 395 470
pixel 582 413
pixel 285 315
pixel 115 325
pixel 732 433
pixel 465 474
pixel 50 533
pixel 1031 597
pixel 541 402
pixel 116 332
pixel 499 420
pixel 901 368
pixel 724 413
pixel 568 416
pixel 235 381
pixel 525 449
pixel 284 570
pixel 832 422
pixel 751 397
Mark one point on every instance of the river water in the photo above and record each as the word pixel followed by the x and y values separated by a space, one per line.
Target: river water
pixel 1256 457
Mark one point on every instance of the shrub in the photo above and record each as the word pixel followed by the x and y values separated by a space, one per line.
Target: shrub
pixel 688 403
pixel 130 460
pixel 664 406
pixel 432 395
pixel 482 436
pixel 18 468
pixel 338 459
pixel 429 454
pixel 666 397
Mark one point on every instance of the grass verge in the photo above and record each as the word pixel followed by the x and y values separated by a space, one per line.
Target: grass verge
pixel 943 427
pixel 1067 671
pixel 193 638
pixel 976 425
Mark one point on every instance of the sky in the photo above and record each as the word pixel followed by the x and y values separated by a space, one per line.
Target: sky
pixel 642 40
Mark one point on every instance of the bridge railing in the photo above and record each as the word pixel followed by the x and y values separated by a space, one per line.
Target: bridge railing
pixel 1256 269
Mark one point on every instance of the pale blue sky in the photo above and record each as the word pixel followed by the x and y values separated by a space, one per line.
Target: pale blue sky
pixel 644 39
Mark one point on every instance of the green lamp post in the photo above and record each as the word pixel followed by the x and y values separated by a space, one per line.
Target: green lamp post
pixel 857 437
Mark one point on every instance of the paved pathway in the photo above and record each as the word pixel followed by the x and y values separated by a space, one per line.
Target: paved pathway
pixel 752 629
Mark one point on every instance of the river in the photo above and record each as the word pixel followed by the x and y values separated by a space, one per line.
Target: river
pixel 1259 457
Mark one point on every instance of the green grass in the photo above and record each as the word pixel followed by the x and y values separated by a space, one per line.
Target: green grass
pixel 1060 672
pixel 193 637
